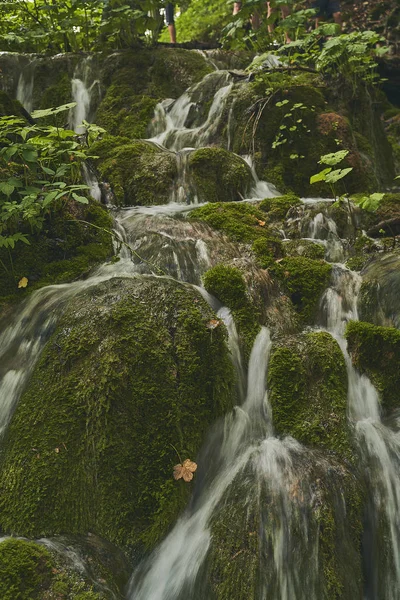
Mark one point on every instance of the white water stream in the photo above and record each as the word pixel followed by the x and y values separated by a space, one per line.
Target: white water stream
pixel 378 443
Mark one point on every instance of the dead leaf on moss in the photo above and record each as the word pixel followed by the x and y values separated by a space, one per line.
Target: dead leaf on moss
pixel 261 223
pixel 185 470
pixel 22 283
pixel 213 323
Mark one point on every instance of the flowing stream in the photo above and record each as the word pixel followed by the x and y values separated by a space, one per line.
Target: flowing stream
pixel 379 446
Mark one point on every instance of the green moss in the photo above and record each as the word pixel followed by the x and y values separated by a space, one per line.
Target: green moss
pixel 308 392
pixel 124 113
pixel 304 248
pixel 304 279
pixel 29 571
pixel 228 286
pixel 25 570
pixel 376 351
pixel 9 106
pixel 219 175
pixel 240 222
pixel 277 208
pixel 131 369
pixel 139 173
pixel 65 250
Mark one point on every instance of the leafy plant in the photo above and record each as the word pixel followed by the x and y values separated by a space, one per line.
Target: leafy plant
pixel 370 203
pixel 292 122
pixel 41 170
pixel 73 25
pixel 329 175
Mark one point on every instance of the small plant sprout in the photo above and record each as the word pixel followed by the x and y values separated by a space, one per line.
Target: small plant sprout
pixel 329 175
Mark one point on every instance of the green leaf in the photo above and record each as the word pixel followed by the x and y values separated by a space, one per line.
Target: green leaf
pixel 47 112
pixel 48 199
pixel 30 155
pixel 6 188
pixel 321 176
pixel 333 158
pixel 80 199
pixel 335 176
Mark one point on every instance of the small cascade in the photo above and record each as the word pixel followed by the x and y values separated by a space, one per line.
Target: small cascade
pixel 173 569
pixel 85 89
pixel 379 446
pixel 323 228
pixel 25 86
pixel 174 125
pixel 261 189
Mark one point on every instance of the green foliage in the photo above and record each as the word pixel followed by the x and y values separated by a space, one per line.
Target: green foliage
pixel 376 351
pixel 328 175
pixel 201 22
pixel 305 280
pixel 292 121
pixel 73 25
pixel 349 57
pixel 370 203
pixel 41 172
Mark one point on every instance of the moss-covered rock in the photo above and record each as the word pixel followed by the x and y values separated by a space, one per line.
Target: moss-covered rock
pixel 64 250
pixel 243 223
pixel 304 280
pixel 219 175
pixel 240 222
pixel 30 571
pixel 375 351
pixel 277 208
pixel 279 115
pixel 380 290
pixel 305 248
pixel 313 502
pixel 8 106
pixel 139 172
pixel 307 380
pixel 228 286
pixel 131 371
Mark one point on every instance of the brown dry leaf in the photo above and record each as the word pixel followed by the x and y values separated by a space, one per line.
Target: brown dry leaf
pixel 213 323
pixel 261 223
pixel 185 470
pixel 22 283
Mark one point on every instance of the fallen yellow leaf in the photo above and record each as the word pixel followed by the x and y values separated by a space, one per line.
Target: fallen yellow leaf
pixel 22 283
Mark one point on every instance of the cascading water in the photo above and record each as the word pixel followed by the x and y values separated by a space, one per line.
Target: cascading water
pixel 25 86
pixel 379 446
pixel 84 84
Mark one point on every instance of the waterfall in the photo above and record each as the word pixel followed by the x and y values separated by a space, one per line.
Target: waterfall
pixel 83 84
pixel 378 443
pixel 25 86
pixel 174 566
